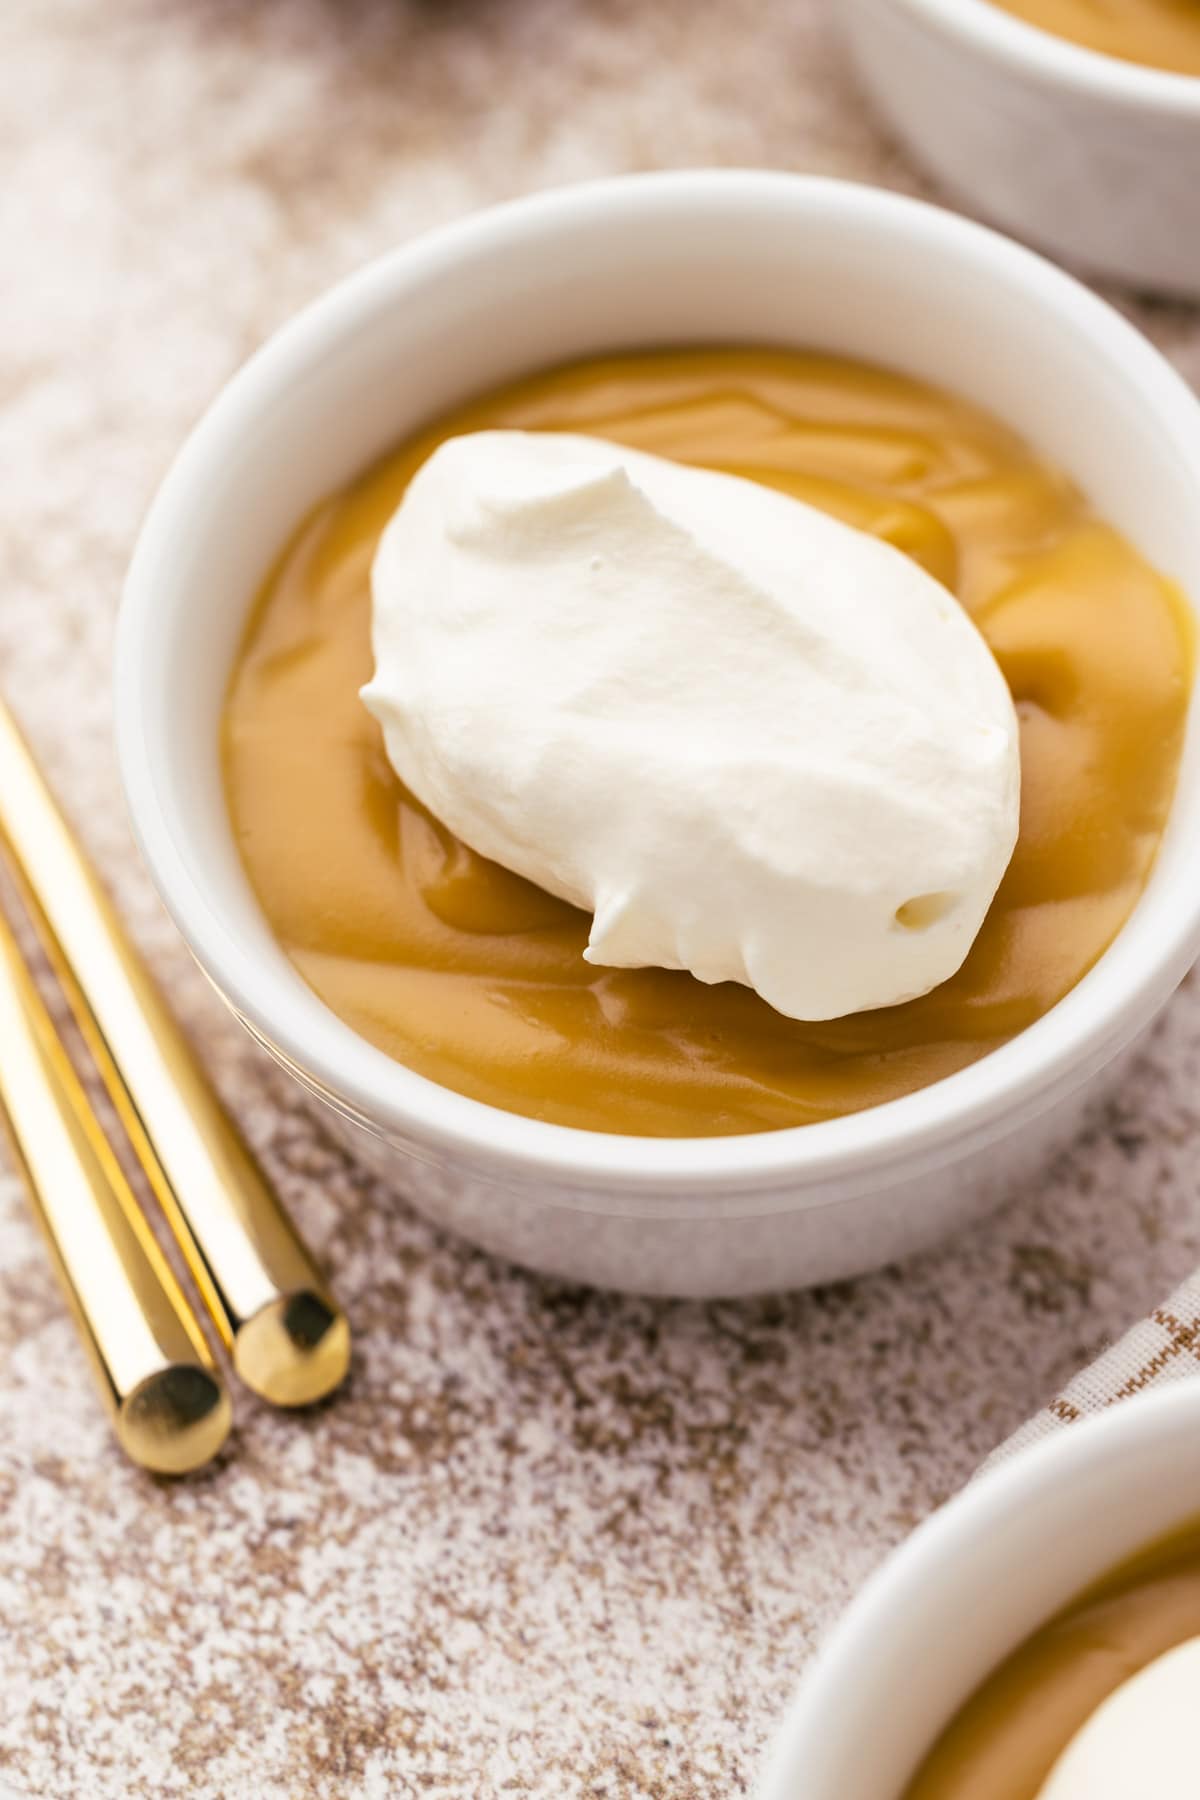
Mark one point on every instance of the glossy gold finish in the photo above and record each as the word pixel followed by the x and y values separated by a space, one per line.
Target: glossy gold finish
pixel 169 1405
pixel 289 1340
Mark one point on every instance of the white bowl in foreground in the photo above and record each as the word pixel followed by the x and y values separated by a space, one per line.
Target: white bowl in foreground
pixel 746 258
pixel 1093 158
pixel 973 1583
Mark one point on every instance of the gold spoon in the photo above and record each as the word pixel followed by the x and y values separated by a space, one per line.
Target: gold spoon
pixel 287 1335
pixel 170 1409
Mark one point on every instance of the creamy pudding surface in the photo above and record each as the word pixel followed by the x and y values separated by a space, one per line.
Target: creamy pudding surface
pixel 1163 34
pixel 1008 1741
pixel 475 977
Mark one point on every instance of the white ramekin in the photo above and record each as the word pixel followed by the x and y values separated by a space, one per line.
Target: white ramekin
pixel 1088 156
pixel 700 257
pixel 972 1583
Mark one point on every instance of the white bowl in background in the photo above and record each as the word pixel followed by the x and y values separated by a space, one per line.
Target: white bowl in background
pixel 746 257
pixel 1091 157
pixel 972 1583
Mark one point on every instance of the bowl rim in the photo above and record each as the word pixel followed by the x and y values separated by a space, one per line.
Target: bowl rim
pixel 1033 50
pixel 896 1140
pixel 1076 1455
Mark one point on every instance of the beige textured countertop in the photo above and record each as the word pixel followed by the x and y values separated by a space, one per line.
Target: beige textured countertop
pixel 549 1543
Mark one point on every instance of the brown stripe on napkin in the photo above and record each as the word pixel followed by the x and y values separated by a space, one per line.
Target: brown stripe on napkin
pixel 1164 1347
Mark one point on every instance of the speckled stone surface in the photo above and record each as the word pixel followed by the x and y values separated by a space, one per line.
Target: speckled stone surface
pixel 549 1543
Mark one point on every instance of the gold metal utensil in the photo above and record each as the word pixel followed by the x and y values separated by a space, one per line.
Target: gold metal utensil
pixel 169 1405
pixel 289 1339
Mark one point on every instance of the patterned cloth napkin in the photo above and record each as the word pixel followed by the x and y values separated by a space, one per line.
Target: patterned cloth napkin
pixel 1162 1348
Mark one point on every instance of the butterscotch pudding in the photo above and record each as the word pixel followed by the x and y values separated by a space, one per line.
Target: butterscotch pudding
pixel 1097 1705
pixel 476 977
pixel 1163 34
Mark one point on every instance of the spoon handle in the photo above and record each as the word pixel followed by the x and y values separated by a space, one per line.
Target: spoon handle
pixel 169 1406
pixel 289 1339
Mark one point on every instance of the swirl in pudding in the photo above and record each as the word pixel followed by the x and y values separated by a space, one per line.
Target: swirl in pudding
pixel 476 978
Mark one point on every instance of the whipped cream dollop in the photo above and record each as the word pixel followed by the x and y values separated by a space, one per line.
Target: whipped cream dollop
pixel 752 741
pixel 1141 1741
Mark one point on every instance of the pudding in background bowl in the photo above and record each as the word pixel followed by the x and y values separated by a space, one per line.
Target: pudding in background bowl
pixel 1161 34
pixel 692 260
pixel 1075 1712
pixel 1094 157
pixel 1013 1647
